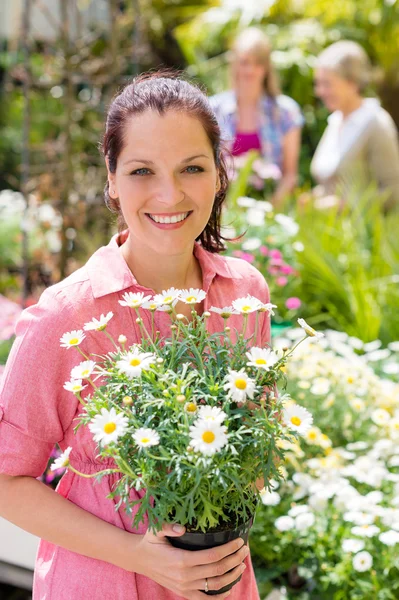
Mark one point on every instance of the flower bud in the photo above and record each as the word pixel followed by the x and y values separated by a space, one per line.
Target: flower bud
pixel 181 398
pixel 138 320
pixel 227 329
pixel 180 317
pixel 122 339
pixel 159 361
pixel 127 400
pixel 173 327
pixel 206 314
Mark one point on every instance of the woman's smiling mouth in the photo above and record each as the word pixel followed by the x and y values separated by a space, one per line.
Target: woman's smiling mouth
pixel 169 220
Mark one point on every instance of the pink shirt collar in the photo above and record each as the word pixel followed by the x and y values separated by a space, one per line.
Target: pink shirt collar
pixel 109 273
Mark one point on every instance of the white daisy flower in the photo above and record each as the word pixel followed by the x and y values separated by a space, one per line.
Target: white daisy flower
pixel 224 312
pixel 168 297
pixel 191 408
pixel 352 545
pixel 75 386
pixel 389 538
pixel 362 561
pixel 304 521
pixel 365 530
pixel 62 461
pixel 309 330
pixel 108 426
pixel 246 305
pixel 144 437
pixel 151 305
pixel 134 362
pixel 134 300
pixel 284 523
pixel 380 416
pixel 84 370
pixel 239 386
pixel 298 509
pixel 192 296
pixel 99 324
pixel 261 358
pixel 208 437
pixel 269 498
pixel 297 418
pixel 268 307
pixel 73 338
pixel 313 436
pixel 211 413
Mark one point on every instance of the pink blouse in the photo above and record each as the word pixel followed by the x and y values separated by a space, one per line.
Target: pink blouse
pixel 36 412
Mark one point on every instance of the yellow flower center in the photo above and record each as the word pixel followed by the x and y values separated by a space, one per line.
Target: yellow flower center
pixel 109 427
pixel 191 407
pixel 167 299
pixel 241 384
pixel 296 421
pixel 74 341
pixel 225 315
pixel 312 435
pixel 77 388
pixel 246 308
pixel 85 373
pixel 153 306
pixel 101 327
pixel 145 440
pixel 260 361
pixel 191 299
pixel 350 380
pixel 208 437
pixel 135 362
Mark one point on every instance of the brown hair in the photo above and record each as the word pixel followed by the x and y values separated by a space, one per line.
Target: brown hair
pixel 162 91
pixel 254 41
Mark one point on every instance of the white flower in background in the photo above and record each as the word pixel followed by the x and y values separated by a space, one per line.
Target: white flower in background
pixel 261 358
pixel 297 418
pixel 239 386
pixel 358 518
pixel 298 509
pixel 255 217
pixel 246 305
pixel 75 386
pixel 99 324
pixel 298 246
pixel 108 426
pixel 134 300
pixel 266 307
pixel 145 437
pixel 151 305
pixel 357 404
pixel 389 538
pixel 135 362
pixel 224 312
pixel 352 545
pixel 73 338
pixel 354 446
pixel 313 436
pixel 309 330
pixel 288 224
pixel 192 296
pixel 371 346
pixel 391 368
pixel 362 561
pixel 211 413
pixel 246 202
pixel 208 437
pixel 365 530
pixel 321 386
pixel 84 370
pixel 380 416
pixel 284 523
pixel 304 521
pixel 269 498
pixel 62 461
pixel 394 346
pixel 378 355
pixel 251 244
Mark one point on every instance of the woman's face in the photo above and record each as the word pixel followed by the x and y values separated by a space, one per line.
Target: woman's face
pixel 165 180
pixel 249 71
pixel 334 91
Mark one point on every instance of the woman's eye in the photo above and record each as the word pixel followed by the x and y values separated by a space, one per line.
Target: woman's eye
pixel 142 171
pixel 194 169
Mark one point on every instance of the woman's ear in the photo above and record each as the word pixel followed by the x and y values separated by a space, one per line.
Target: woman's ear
pixel 112 190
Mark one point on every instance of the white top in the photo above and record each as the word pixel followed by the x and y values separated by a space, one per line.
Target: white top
pixel 357 150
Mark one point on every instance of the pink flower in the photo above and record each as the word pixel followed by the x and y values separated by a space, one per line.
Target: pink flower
pixel 293 303
pixel 248 257
pixel 281 281
pixel 273 270
pixel 264 250
pixel 276 254
pixel 287 269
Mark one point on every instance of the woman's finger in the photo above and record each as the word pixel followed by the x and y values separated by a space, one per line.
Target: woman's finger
pixel 217 583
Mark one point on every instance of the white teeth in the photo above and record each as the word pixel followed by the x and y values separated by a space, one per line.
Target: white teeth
pixel 173 219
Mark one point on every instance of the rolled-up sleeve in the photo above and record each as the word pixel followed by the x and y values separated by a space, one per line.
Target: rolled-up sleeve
pixel 35 410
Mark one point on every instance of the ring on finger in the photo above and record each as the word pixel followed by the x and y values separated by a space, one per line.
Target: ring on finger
pixel 206 585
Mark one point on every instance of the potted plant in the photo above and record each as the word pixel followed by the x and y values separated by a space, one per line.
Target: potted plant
pixel 192 419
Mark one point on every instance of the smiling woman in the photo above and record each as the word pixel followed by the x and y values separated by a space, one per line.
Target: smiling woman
pixel 167 182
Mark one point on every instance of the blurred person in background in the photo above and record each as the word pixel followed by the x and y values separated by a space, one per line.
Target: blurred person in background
pixel 360 144
pixel 254 115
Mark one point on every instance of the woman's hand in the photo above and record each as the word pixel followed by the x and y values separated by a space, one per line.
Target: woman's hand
pixel 185 572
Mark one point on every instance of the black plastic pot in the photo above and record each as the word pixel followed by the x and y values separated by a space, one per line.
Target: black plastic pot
pixel 197 540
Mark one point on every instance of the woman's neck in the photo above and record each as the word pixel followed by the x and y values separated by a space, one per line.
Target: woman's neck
pixel 351 105
pixel 159 272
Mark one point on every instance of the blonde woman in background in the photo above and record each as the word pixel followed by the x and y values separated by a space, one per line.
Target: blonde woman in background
pixel 254 115
pixel 360 143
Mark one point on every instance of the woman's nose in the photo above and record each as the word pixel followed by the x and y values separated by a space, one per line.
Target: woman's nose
pixel 170 192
